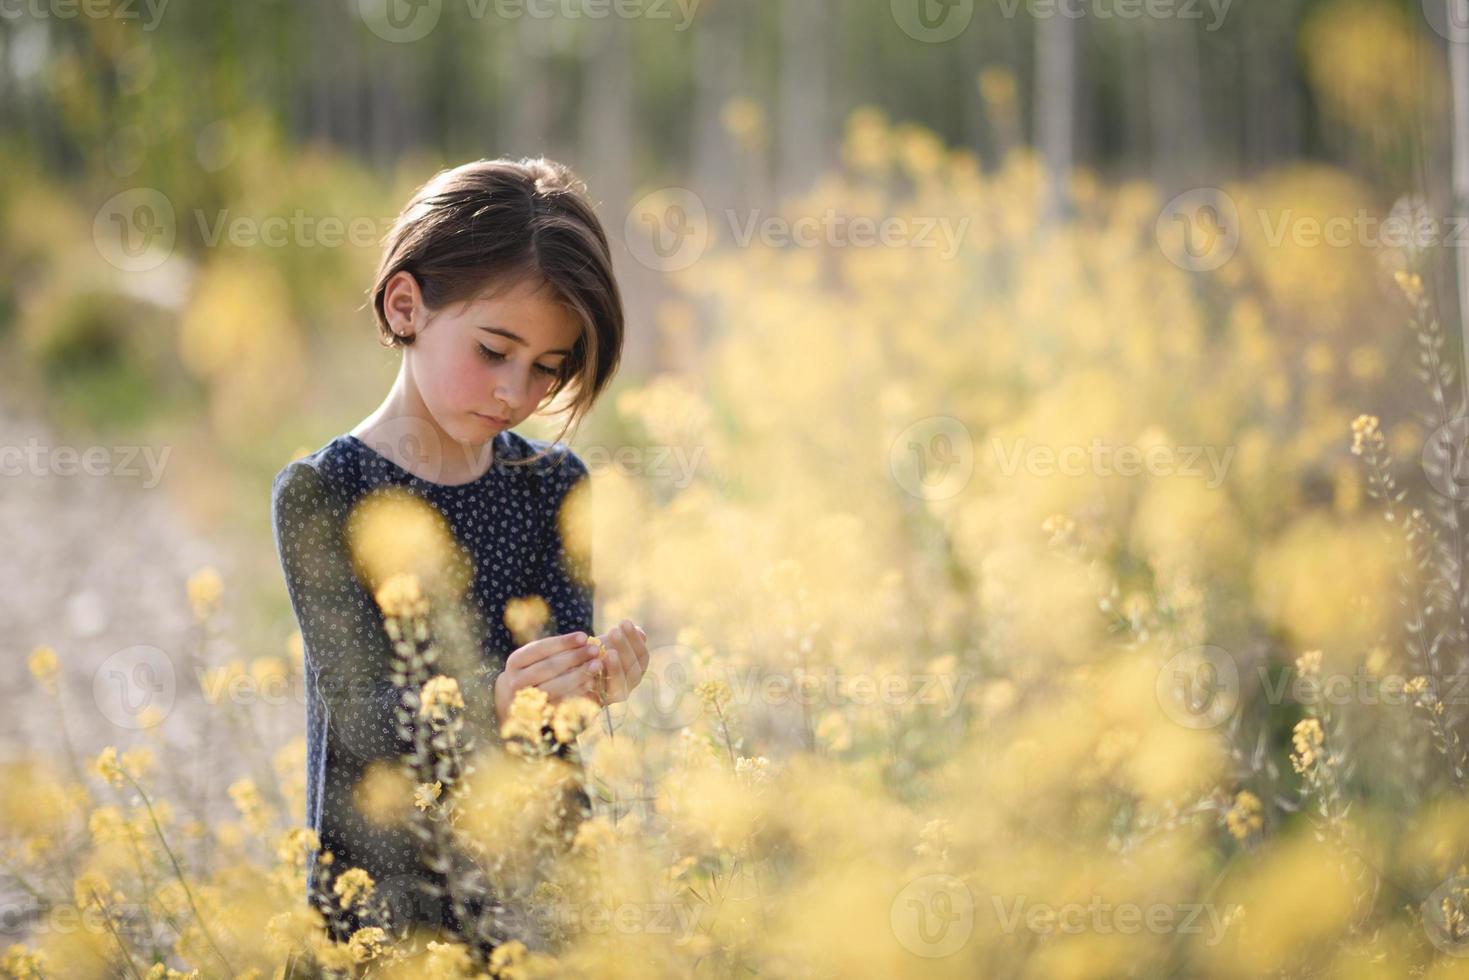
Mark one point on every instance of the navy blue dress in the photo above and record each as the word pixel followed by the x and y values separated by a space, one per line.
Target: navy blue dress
pixel 506 521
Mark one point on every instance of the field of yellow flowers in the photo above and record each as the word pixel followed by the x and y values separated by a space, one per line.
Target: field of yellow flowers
pixel 1041 607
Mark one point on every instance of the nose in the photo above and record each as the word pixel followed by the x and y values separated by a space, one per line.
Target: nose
pixel 510 395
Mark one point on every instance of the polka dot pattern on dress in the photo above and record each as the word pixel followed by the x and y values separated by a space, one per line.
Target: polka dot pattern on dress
pixel 506 521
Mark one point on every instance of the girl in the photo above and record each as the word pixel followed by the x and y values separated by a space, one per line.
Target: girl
pixel 496 284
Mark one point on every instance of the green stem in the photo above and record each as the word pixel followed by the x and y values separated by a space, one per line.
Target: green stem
pixel 179 872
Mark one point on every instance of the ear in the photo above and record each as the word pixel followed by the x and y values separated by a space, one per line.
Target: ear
pixel 403 304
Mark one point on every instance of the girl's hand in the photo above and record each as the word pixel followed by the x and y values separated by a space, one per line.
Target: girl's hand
pixel 562 666
pixel 626 658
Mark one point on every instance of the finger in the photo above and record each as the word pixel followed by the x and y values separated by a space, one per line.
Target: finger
pixel 578 680
pixel 640 646
pixel 620 657
pixel 538 650
pixel 624 642
pixel 558 663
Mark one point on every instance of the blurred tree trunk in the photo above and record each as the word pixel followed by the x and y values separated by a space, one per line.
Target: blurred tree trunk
pixel 1176 102
pixel 525 87
pixel 609 124
pixel 1055 107
pixel 1458 24
pixel 804 101
pixel 716 79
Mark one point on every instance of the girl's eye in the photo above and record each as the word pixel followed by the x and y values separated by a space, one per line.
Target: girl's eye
pixel 496 357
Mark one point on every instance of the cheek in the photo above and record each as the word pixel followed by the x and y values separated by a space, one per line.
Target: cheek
pixel 458 383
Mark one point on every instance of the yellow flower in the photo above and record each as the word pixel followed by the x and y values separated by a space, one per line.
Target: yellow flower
pixel 447 960
pixel 247 800
pixel 91 890
pixel 525 616
pixel 43 665
pixel 714 694
pixel 594 835
pixel 834 732
pixel 401 596
pixel 1307 739
pixel 572 717
pixel 529 712
pixel 1411 284
pixel 1243 818
pixel 336 957
pixel 295 844
pixel 427 794
pixel 757 770
pixel 1366 434
pixel 353 886
pixel 439 696
pixel 1308 664
pixel 366 943
pixel 109 767
pixel 205 588
pixel 22 963
pixel 507 955
pixel 1058 527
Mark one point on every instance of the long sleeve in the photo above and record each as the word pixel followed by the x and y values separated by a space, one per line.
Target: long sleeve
pixel 347 649
pixel 566 575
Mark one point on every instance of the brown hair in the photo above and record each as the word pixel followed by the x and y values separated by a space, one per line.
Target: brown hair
pixel 491 223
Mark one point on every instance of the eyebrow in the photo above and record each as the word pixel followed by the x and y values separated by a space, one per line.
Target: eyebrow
pixel 509 335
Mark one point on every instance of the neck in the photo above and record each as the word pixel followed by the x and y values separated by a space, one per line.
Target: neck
pixel 403 429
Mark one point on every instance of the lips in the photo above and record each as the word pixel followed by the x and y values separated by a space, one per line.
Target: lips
pixel 494 419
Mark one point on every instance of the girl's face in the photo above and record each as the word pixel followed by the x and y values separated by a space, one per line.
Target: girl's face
pixel 483 365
